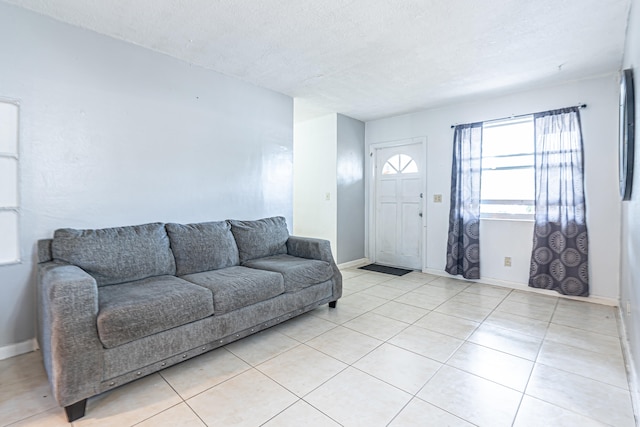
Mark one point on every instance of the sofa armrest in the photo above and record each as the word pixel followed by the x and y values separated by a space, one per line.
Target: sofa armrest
pixel 306 247
pixel 320 249
pixel 68 335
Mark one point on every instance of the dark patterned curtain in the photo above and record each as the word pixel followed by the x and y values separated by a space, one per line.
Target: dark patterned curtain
pixel 560 259
pixel 463 246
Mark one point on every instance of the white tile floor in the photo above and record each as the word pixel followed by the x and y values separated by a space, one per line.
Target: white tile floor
pixel 412 351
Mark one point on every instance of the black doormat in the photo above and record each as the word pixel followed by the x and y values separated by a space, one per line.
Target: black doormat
pixel 384 269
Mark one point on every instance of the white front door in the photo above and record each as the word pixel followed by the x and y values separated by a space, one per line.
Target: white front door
pixel 399 173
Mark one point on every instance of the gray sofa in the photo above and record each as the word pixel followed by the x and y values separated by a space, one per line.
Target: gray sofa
pixel 117 304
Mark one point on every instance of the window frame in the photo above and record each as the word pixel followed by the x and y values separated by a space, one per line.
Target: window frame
pixel 14 209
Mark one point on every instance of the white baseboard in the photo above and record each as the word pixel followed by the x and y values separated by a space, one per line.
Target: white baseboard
pixel 524 287
pixel 355 263
pixel 630 365
pixel 18 349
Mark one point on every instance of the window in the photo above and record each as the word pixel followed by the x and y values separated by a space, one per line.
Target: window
pixel 508 177
pixel 400 163
pixel 9 249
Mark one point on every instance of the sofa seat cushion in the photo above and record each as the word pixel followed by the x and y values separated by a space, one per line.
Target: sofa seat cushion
pixel 133 310
pixel 298 273
pixel 237 287
pixel 202 247
pixel 116 255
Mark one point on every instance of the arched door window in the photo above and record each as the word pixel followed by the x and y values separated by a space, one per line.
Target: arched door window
pixel 399 163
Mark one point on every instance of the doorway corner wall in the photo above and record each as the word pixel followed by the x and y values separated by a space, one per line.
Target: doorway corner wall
pixel 329 188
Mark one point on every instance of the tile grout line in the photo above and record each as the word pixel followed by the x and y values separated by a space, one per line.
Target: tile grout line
pixel 535 361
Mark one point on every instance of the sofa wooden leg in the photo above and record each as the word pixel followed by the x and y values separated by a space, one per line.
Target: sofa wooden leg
pixel 76 410
pixel 332 304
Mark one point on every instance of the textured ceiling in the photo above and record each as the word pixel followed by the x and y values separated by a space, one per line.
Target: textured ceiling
pixel 370 58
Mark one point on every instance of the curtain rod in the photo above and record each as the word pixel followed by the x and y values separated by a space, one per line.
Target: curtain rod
pixel 522 115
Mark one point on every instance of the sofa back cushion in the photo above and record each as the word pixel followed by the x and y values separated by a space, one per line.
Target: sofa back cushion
pixel 202 247
pixel 260 238
pixel 116 255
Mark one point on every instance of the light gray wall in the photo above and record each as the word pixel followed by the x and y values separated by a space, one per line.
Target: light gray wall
pixel 350 182
pixel 630 248
pixel 514 238
pixel 112 134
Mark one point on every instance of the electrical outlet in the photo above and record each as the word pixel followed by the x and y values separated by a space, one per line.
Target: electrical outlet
pixel 507 261
pixel 327 196
pixel 437 198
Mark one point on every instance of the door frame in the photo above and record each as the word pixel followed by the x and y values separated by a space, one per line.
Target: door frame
pixel 372 154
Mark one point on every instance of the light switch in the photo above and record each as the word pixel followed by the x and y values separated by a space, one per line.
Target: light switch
pixel 327 196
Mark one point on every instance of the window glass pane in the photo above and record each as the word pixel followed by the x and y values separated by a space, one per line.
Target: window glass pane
pixel 8 128
pixel 392 166
pixel 8 182
pixel 407 165
pixel 404 161
pixel 9 240
pixel 410 167
pixel 507 184
pixel 508 137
